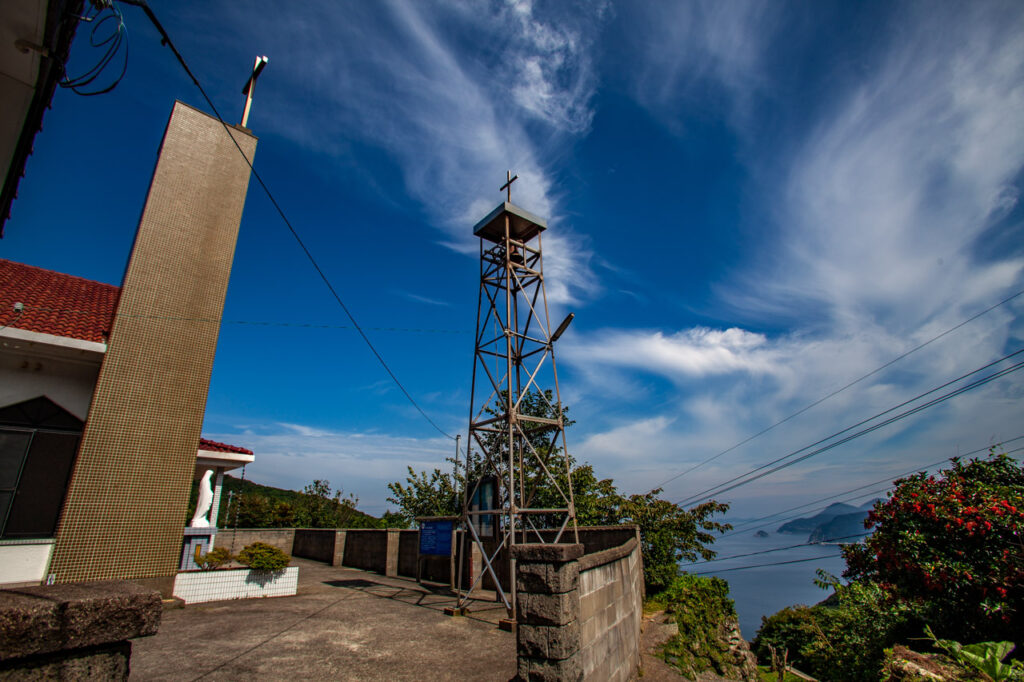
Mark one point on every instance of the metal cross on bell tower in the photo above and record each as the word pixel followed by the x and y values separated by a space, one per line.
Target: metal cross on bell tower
pixel 518 482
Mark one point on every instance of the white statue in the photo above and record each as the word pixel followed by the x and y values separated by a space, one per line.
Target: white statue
pixel 204 503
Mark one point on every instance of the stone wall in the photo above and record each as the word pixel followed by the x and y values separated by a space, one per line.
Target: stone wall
pixel 235 540
pixel 74 632
pixel 579 615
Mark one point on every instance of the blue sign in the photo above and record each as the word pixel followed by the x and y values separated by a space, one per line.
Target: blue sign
pixel 436 537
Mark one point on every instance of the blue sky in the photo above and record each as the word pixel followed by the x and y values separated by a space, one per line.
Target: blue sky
pixel 750 205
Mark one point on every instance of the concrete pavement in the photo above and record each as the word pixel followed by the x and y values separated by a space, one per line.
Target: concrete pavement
pixel 344 624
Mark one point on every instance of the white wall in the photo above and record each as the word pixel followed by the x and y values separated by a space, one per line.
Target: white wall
pixel 24 561
pixel 31 369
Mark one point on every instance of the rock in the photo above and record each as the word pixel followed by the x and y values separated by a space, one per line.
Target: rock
pixel 760 534
pixel 744 662
pixel 905 665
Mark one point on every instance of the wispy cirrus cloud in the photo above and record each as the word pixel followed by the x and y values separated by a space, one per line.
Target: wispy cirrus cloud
pixel 875 213
pixel 454 94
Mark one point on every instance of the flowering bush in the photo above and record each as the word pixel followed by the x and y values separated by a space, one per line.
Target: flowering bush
pixel 952 546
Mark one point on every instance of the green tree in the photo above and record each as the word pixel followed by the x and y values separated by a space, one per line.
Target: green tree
pixel 951 545
pixel 670 534
pixel 320 509
pixel 844 640
pixel 433 494
pixel 252 511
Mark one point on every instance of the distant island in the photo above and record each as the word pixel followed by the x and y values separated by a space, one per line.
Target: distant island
pixel 835 521
pixel 760 534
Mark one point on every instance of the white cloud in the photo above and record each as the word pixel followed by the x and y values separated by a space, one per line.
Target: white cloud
pixel 693 352
pixel 454 94
pixel 362 463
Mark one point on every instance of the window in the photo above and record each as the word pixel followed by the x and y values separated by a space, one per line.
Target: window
pixel 38 444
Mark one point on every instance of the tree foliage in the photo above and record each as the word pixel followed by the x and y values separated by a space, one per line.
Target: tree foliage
pixel 952 545
pixel 315 507
pixel 844 640
pixel 669 534
pixel 423 494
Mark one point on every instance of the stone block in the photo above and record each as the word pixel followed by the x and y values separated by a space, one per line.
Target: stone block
pixel 547 609
pixel 107 662
pixel 547 578
pixel 44 619
pixel 542 670
pixel 551 642
pixel 547 552
pixel 586 608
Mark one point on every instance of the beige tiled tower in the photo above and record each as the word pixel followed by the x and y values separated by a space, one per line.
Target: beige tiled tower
pixel 125 509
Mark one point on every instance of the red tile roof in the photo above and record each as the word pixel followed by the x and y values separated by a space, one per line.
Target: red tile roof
pixel 214 446
pixel 65 305
pixel 55 303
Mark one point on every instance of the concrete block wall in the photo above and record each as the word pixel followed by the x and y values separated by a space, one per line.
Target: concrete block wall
pixel 579 615
pixel 408 552
pixel 315 543
pixel 611 593
pixel 235 540
pixel 367 549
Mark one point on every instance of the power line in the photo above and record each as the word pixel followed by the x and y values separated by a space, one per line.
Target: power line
pixel 116 38
pixel 258 323
pixel 166 39
pixel 777 563
pixel 770 518
pixel 776 549
pixel 719 489
pixel 840 390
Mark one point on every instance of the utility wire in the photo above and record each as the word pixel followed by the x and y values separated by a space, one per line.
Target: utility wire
pixel 725 487
pixel 886 488
pixel 166 39
pixel 777 563
pixel 117 37
pixel 770 518
pixel 840 390
pixel 908 413
pixel 261 323
pixel 776 549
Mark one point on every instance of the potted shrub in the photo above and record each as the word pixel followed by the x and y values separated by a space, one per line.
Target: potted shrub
pixel 265 573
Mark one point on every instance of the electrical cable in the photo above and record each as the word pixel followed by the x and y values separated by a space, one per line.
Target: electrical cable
pixel 952 394
pixel 777 563
pixel 769 519
pixel 114 41
pixel 261 323
pixel 840 390
pixel 166 39
pixel 725 487
pixel 777 549
pixel 20 311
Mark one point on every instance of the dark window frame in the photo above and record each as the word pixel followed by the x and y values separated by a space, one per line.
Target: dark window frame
pixel 38 518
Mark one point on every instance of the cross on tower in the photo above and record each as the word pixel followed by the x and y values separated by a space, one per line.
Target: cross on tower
pixel 508 184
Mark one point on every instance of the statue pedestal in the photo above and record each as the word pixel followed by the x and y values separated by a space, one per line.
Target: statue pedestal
pixel 195 537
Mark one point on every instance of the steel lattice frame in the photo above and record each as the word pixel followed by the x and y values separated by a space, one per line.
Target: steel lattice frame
pixel 514 360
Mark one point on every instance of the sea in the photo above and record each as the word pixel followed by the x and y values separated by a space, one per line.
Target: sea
pixel 764 590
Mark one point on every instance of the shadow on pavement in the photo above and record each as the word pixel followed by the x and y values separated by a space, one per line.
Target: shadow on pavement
pixel 433 597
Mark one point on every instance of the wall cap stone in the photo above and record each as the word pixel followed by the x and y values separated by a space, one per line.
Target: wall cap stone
pixel 547 552
pixel 49 618
pixel 607 556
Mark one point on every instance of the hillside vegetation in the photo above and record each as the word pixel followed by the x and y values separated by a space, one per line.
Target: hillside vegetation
pixel 244 504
